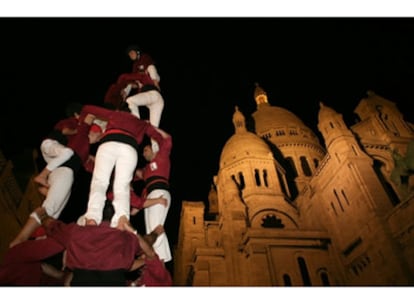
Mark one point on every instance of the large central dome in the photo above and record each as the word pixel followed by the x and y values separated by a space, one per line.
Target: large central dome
pixel 271 117
pixel 279 125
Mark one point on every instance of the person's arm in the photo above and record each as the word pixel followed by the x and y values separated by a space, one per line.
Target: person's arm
pixel 138 175
pixel 69 131
pixel 99 112
pixel 146 248
pixel 89 164
pixel 165 144
pixel 153 73
pixel 163 133
pixel 153 201
pixel 138 263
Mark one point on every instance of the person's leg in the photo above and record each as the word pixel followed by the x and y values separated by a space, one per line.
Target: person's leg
pixel 61 181
pixel 145 99
pixel 134 102
pixel 154 216
pixel 124 171
pixel 29 227
pixel 155 107
pixel 54 154
pixel 104 163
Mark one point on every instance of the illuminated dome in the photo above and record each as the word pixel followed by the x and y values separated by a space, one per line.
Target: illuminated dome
pixel 278 124
pixel 272 117
pixel 243 143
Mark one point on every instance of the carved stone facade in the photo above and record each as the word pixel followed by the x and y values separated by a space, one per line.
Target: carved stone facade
pixel 285 210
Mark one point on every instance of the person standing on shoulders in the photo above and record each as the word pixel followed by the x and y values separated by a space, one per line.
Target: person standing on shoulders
pixel 142 64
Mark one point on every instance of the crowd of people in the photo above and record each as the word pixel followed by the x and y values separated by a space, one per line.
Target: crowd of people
pixel 101 247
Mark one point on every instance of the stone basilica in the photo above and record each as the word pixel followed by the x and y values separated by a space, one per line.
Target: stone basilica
pixel 286 210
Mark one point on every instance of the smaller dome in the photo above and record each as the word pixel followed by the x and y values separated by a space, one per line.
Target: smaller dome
pixel 242 143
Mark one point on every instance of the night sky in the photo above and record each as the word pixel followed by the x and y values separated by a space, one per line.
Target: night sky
pixel 207 67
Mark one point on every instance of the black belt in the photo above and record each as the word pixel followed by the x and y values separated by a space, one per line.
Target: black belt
pixel 86 277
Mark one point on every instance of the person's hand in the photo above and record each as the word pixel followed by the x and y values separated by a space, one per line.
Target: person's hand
pixel 136 84
pixel 139 173
pixel 134 211
pixel 162 201
pixel 89 118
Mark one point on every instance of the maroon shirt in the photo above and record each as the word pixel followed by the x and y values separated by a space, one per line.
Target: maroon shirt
pixel 70 122
pixel 135 200
pixel 160 165
pixel 95 247
pixel 142 63
pixel 21 265
pixel 124 123
pixel 79 142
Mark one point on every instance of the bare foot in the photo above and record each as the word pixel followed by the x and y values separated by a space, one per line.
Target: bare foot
pixel 90 222
pixel 121 222
pixel 41 180
pixel 43 190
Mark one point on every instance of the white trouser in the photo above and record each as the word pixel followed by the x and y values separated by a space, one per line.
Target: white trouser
pixel 152 100
pixel 54 153
pixel 60 181
pixel 155 215
pixel 123 158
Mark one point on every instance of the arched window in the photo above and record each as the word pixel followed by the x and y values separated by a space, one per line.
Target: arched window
pixel 265 178
pixel 287 280
pixel 292 166
pixel 325 279
pixel 304 272
pixel 257 177
pixel 305 166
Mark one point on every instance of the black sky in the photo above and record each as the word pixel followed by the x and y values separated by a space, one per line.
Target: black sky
pixel 207 67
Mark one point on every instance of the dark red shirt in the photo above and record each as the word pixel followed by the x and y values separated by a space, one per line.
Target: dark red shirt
pixel 95 247
pixel 79 142
pixel 135 200
pixel 142 63
pixel 160 165
pixel 124 123
pixel 70 122
pixel 21 265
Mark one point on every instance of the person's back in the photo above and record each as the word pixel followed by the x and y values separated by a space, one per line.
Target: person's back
pixel 97 255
